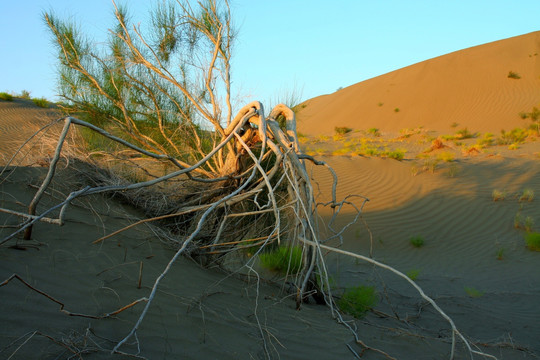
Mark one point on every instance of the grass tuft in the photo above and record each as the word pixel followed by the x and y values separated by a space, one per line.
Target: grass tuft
pixel 358 300
pixel 474 293
pixel 284 259
pixel 41 102
pixel 527 195
pixel 342 130
pixel 413 274
pixel 532 240
pixel 498 195
pixel 513 75
pixel 417 241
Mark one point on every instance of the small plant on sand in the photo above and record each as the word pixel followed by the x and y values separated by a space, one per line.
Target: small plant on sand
pixel 513 146
pixel 532 240
pixel 454 125
pixel 358 300
pixel 472 292
pixel 416 241
pixel 284 259
pixel 397 154
pixel 527 195
pixel 515 136
pixel 41 102
pixel 430 165
pixel 374 131
pixel 446 156
pixel 465 134
pixel 413 274
pixel 6 96
pixel 500 253
pixel 534 115
pixel 25 94
pixel 486 140
pixel 518 220
pixel 528 223
pixel 498 195
pixel 513 75
pixel 342 130
pixel 453 170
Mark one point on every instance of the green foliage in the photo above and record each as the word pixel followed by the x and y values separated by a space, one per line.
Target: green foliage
pixel 527 195
pixel 532 239
pixel 446 156
pixel 486 140
pixel 396 110
pixel 515 136
pixel 413 274
pixel 157 83
pixel 374 131
pixel 41 102
pixel 5 96
pixel 472 292
pixel 465 134
pixel 498 195
pixel 416 241
pixel 358 300
pixel 500 253
pixel 397 154
pixel 513 75
pixel 342 130
pixel 284 259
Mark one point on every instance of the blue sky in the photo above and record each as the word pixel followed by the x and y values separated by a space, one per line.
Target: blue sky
pixel 313 47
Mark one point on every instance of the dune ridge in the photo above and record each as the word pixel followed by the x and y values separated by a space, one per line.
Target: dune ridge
pixel 470 87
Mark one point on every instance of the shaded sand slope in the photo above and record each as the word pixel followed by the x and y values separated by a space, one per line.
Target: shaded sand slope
pixel 491 300
pixel 198 313
pixel 469 87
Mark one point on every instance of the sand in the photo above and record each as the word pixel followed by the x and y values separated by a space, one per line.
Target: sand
pixel 473 263
pixel 470 87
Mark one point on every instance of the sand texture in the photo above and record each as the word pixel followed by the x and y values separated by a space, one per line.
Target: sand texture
pixel 473 263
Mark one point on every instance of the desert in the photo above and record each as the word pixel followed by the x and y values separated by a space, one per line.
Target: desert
pixel 443 159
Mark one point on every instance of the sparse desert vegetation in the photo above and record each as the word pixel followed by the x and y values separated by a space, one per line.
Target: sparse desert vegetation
pixel 532 239
pixel 358 300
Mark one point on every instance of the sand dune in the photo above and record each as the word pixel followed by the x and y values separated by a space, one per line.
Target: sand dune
pixel 474 262
pixel 469 87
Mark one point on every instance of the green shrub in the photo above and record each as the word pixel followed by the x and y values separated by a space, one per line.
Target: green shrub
pixel 25 94
pixel 514 136
pixel 417 241
pixel 498 195
pixel 397 154
pixel 527 195
pixel 532 240
pixel 446 156
pixel 465 134
pixel 413 274
pixel 6 96
pixel 513 75
pixel 474 293
pixel 284 259
pixel 374 131
pixel 41 102
pixel 342 130
pixel 358 300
